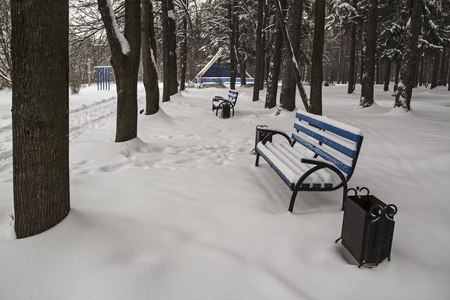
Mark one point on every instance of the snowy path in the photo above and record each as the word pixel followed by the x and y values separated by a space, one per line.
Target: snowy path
pixel 86 115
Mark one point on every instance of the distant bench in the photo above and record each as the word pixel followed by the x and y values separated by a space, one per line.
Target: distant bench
pixel 324 160
pixel 220 102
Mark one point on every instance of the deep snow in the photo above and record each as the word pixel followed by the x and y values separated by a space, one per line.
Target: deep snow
pixel 181 212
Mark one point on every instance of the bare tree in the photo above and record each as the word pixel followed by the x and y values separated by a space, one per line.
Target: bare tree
pixel 149 59
pixel 40 114
pixel 125 50
pixel 294 27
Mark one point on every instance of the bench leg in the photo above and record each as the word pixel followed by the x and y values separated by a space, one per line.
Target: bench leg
pixel 257 158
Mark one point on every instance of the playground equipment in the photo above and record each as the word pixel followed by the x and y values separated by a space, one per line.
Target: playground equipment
pixel 103 77
pixel 215 72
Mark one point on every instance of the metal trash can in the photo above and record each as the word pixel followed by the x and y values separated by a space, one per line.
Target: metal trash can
pixel 368 227
pixel 225 112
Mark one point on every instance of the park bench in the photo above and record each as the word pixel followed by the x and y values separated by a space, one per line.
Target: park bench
pixel 219 102
pixel 320 155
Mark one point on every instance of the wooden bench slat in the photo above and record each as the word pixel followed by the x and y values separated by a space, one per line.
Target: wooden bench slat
pixel 343 146
pixel 290 169
pixel 349 132
pixel 325 155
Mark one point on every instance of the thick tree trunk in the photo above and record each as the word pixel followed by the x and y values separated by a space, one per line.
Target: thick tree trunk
pixel 435 73
pixel 275 64
pixel 169 50
pixel 149 59
pixel 369 63
pixel 294 64
pixel 287 96
pixel 172 22
pixel 258 70
pixel 317 58
pixel 410 56
pixel 40 114
pixel 125 50
pixel 184 50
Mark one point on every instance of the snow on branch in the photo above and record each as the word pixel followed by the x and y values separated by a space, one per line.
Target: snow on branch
pixel 119 35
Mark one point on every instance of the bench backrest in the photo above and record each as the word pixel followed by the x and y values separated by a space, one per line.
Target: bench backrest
pixel 333 141
pixel 232 95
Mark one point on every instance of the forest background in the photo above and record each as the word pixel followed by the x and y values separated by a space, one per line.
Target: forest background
pixel 203 26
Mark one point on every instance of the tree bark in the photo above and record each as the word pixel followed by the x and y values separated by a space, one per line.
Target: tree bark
pixel 184 49
pixel 172 48
pixel 40 114
pixel 317 58
pixel 351 71
pixel 369 57
pixel 287 96
pixel 169 50
pixel 435 73
pixel 275 64
pixel 387 74
pixel 258 70
pixel 125 50
pixel 149 59
pixel 410 56
pixel 294 65
pixel 232 36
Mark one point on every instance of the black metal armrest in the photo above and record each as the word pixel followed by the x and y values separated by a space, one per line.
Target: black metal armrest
pixel 324 164
pixel 271 132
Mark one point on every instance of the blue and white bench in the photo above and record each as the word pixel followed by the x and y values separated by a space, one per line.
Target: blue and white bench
pixel 219 102
pixel 320 155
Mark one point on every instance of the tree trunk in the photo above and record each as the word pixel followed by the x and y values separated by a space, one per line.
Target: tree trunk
pixel 317 58
pixel 40 114
pixel 351 72
pixel 293 59
pixel 369 57
pixel 387 74
pixel 275 64
pixel 287 96
pixel 258 70
pixel 172 48
pixel 184 49
pixel 149 59
pixel 232 36
pixel 242 54
pixel 397 74
pixel 125 50
pixel 435 73
pixel 169 50
pixel 410 56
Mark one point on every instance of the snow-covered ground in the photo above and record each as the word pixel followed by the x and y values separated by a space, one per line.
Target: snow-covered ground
pixel 181 212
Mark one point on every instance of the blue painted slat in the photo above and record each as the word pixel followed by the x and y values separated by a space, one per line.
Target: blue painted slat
pixel 339 131
pixel 342 166
pixel 287 181
pixel 344 150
